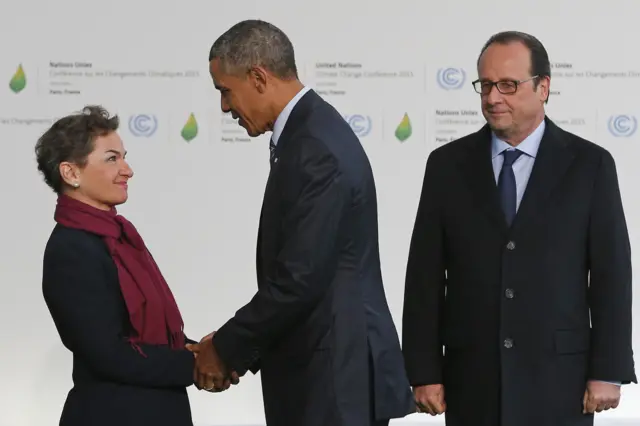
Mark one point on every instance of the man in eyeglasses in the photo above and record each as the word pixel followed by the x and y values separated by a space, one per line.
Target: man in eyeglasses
pixel 520 241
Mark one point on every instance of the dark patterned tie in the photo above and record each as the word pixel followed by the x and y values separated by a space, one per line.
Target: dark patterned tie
pixel 507 185
pixel 272 151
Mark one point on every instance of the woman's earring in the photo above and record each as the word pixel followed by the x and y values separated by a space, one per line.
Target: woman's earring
pixel 76 184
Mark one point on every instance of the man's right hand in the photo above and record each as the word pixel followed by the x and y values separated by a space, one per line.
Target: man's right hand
pixel 430 399
pixel 234 379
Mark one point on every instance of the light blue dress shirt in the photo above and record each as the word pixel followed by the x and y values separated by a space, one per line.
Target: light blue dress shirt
pixel 278 126
pixel 523 166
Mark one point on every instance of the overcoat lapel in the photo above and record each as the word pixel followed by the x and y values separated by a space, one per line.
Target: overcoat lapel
pixel 552 162
pixel 478 171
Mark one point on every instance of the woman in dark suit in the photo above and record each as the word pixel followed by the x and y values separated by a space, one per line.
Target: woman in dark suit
pixel 108 299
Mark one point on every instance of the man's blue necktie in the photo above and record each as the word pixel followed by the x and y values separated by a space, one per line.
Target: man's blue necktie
pixel 507 185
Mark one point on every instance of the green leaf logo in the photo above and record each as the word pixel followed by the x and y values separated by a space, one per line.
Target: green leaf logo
pixel 190 129
pixel 18 81
pixel 404 130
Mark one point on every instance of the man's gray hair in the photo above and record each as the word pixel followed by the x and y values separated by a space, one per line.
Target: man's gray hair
pixel 253 43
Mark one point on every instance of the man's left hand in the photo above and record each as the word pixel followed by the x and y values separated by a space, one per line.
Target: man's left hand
pixel 600 396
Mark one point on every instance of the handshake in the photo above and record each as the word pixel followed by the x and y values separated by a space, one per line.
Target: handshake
pixel 209 372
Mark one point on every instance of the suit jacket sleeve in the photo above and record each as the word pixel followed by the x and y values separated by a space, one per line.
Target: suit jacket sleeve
pixel 190 341
pixel 86 313
pixel 305 264
pixel 424 287
pixel 610 281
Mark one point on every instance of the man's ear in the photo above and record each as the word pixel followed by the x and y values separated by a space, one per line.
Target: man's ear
pixel 544 85
pixel 259 78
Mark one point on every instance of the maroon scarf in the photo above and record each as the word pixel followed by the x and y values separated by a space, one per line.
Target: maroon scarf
pixel 153 311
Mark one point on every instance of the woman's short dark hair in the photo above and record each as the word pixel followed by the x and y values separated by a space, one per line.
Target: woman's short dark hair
pixel 71 139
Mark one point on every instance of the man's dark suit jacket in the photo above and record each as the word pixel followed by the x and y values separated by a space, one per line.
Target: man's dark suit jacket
pixel 319 328
pixel 512 306
pixel 113 384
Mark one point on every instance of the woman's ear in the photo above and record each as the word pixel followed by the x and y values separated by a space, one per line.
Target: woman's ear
pixel 70 174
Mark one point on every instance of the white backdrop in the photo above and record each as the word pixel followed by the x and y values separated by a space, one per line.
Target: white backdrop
pixel 197 202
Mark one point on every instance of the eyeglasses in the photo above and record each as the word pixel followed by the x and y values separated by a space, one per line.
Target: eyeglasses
pixel 506 87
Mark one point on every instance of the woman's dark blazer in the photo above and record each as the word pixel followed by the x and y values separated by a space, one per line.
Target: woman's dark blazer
pixel 113 384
